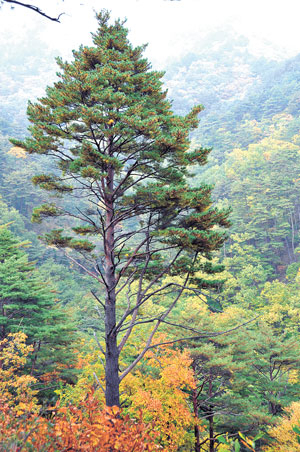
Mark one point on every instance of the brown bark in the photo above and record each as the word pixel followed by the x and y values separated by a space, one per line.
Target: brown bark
pixel 211 432
pixel 196 426
pixel 112 381
pixel 211 422
pixel 36 350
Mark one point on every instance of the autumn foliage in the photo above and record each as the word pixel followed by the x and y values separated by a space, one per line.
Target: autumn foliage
pixel 85 428
pixel 76 429
pixel 156 414
pixel 284 437
pixel 15 388
pixel 162 393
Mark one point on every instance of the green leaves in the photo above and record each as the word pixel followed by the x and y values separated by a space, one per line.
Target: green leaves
pixel 45 210
pixel 51 183
pixel 296 429
pixel 28 304
pixel 55 238
pixel 237 446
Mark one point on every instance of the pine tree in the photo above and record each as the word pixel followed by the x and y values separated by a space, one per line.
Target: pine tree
pixel 28 305
pixel 124 157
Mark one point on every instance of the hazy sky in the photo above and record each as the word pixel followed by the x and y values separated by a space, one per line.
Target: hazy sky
pixel 170 27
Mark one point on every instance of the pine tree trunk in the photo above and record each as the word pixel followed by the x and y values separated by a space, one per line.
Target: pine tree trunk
pixel 37 348
pixel 196 414
pixel 211 421
pixel 211 432
pixel 112 381
pixel 196 426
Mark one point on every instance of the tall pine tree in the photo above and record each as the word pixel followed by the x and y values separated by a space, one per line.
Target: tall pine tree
pixel 124 157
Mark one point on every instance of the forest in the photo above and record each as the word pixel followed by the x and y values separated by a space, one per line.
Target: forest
pixel 149 248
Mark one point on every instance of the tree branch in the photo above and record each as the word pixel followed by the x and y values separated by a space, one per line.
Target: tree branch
pixel 83 267
pixel 203 336
pixel 35 9
pixel 149 341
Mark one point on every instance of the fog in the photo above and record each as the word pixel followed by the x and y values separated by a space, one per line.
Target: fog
pixel 171 28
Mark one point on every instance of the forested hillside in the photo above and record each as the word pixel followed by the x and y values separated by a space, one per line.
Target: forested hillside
pixel 233 383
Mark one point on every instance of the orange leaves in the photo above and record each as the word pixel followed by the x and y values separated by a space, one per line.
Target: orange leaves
pixel 90 429
pixel 267 155
pixel 50 376
pixel 157 417
pixel 162 395
pixel 87 428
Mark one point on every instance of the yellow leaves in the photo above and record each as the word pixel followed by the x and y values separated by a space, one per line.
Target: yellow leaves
pixel 158 405
pixel 110 122
pixel 293 377
pixel 18 152
pixel 247 442
pixel 273 314
pixel 161 394
pixel 207 207
pixel 176 370
pixel 230 314
pixel 21 408
pixel 15 389
pixel 90 363
pixel 283 434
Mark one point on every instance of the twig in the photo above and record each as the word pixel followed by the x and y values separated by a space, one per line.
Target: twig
pixel 35 9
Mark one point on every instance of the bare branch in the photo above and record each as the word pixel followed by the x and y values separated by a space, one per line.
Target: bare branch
pixel 130 260
pixel 89 272
pixel 99 345
pixel 98 382
pixel 129 330
pixel 139 322
pixel 98 299
pixel 140 303
pixel 204 336
pixel 149 341
pixel 141 355
pixel 35 9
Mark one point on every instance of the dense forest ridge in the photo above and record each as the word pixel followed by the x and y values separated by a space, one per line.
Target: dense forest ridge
pixel 251 120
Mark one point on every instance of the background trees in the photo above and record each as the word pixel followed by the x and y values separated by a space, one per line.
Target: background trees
pixel 28 305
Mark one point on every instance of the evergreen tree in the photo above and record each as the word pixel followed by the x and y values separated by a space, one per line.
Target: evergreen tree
pixel 275 365
pixel 244 378
pixel 28 305
pixel 120 148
